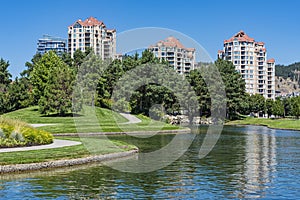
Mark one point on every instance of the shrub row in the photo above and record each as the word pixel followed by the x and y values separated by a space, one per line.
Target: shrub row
pixel 14 133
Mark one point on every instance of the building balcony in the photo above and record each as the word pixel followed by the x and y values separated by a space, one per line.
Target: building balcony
pixel 261 91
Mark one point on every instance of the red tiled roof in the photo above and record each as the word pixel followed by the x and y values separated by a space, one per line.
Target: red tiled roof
pixel 91 21
pixel 190 49
pixel 272 60
pixel 240 36
pixel 220 51
pixel 261 43
pixel 111 30
pixel 173 42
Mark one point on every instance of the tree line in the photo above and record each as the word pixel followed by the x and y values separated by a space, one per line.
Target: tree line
pixel 49 82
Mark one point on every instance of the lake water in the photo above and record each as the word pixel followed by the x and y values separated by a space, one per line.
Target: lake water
pixel 247 162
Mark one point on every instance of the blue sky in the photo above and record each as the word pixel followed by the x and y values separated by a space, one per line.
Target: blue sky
pixel 208 22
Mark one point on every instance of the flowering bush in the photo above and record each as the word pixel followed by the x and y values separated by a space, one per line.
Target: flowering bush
pixel 14 133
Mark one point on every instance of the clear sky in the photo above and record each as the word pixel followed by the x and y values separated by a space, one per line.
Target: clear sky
pixel 277 23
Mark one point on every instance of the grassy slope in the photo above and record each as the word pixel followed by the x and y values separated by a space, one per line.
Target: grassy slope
pixel 109 121
pixel 78 151
pixel 292 124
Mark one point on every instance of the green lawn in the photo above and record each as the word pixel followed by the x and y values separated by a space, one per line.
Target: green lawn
pixel 106 121
pixel 78 151
pixel 292 124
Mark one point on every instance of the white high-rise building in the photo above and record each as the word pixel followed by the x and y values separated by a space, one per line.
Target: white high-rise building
pixel 178 56
pixel 250 59
pixel 92 33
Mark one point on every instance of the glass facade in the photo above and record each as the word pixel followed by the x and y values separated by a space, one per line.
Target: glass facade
pixel 49 43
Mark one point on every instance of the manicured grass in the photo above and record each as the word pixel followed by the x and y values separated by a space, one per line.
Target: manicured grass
pixel 109 121
pixel 101 147
pixel 292 124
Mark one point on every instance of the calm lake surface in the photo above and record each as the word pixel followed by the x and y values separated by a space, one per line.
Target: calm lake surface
pixel 248 162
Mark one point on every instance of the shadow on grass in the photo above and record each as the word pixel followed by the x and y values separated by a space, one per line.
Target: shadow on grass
pixel 65 115
pixel 34 109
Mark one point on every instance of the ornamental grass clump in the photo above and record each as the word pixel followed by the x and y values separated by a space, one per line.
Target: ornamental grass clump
pixel 15 133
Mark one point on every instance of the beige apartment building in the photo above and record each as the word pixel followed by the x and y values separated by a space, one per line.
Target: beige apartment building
pixel 250 59
pixel 178 56
pixel 92 33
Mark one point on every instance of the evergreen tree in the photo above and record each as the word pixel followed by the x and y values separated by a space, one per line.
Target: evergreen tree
pixel 198 83
pixel 57 96
pixel 4 85
pixel 234 86
pixel 5 76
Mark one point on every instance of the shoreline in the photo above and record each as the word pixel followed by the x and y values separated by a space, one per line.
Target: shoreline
pixel 175 131
pixel 264 125
pixel 16 168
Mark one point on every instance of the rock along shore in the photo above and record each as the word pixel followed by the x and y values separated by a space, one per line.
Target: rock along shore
pixel 64 163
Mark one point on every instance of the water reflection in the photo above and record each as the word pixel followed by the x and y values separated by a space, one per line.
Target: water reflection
pixel 260 165
pixel 247 162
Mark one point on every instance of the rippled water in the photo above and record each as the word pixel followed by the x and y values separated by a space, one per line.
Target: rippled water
pixel 247 162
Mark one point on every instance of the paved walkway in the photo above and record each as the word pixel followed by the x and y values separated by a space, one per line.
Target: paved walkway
pixel 131 118
pixel 56 144
pixel 63 143
pixel 40 125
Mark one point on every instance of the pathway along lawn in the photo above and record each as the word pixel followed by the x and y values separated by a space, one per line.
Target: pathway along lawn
pixel 289 124
pixel 71 152
pixel 107 120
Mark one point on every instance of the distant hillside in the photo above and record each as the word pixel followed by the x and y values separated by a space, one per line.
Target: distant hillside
pixel 286 85
pixel 292 71
pixel 288 78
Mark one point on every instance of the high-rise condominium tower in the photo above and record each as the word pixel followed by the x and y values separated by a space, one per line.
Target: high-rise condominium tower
pixel 178 56
pixel 92 33
pixel 250 59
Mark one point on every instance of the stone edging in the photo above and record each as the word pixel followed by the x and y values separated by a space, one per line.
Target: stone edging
pixel 64 163
pixel 177 131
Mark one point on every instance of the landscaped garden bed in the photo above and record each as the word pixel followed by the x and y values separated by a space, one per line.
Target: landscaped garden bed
pixel 15 133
